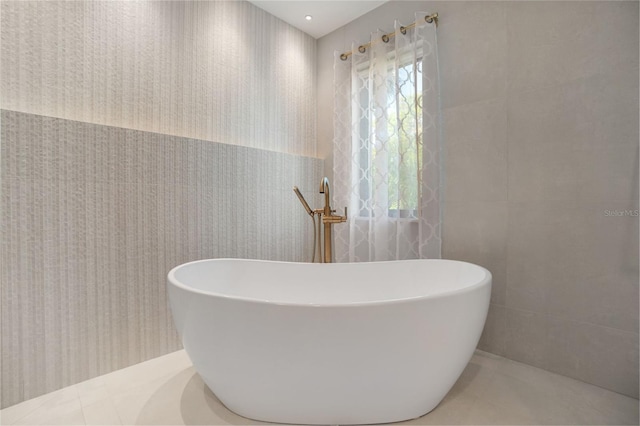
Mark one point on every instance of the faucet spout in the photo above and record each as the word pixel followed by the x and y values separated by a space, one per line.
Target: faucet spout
pixel 324 189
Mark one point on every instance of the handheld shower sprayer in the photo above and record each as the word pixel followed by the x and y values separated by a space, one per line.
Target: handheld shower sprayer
pixel 303 201
pixel 313 218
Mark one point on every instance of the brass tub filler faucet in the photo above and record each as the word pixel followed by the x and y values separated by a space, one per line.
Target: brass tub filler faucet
pixel 327 218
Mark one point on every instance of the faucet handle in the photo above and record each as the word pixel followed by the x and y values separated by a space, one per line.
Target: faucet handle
pixel 335 219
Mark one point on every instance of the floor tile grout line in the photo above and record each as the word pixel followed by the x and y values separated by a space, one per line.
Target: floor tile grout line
pixel 48 396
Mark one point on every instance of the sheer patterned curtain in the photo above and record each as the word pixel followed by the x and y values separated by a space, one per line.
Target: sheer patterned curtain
pixel 387 147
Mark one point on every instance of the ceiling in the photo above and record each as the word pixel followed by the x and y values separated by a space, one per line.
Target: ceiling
pixel 328 15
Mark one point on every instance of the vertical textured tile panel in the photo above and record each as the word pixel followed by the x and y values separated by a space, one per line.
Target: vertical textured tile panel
pixel 94 217
pixel 219 71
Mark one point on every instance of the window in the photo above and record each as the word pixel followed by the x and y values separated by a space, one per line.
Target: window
pixel 388 136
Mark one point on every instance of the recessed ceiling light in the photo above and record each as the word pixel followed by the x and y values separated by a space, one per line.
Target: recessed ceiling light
pixel 308 17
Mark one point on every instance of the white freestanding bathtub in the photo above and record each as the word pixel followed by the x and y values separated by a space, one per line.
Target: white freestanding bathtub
pixel 341 343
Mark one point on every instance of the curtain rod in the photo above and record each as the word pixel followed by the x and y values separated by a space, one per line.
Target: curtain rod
pixel 433 18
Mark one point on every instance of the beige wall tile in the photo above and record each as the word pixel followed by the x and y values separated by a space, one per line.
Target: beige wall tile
pixel 527 337
pixel 494 335
pixel 477 232
pixel 476 151
pixel 578 141
pixel 603 356
pixel 554 45
pixel 573 260
pixel 472 54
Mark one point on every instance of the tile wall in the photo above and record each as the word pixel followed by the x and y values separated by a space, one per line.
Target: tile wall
pixel 223 71
pixel 95 216
pixel 137 136
pixel 540 115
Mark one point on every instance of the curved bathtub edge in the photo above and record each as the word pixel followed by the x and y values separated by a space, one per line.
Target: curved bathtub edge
pixel 174 281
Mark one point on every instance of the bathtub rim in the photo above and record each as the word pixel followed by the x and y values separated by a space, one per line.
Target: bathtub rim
pixel 171 279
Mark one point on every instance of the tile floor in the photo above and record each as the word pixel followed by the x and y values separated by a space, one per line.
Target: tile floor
pixel 167 390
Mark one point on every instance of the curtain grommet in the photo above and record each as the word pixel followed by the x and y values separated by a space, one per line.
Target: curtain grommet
pixel 343 57
pixel 362 49
pixel 403 30
pixel 385 38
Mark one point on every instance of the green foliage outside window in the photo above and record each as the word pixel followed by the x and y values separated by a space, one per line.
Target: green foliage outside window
pixel 402 145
